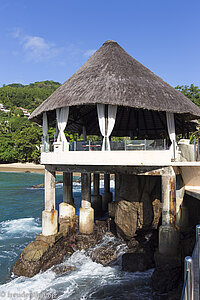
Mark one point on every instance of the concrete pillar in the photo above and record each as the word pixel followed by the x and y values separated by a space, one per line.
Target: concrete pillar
pixel 67 188
pixel 50 215
pixel 182 218
pixel 168 234
pixel 96 198
pixel 112 205
pixel 107 195
pixel 117 186
pixel 66 208
pixel 86 218
pixel 86 187
pixel 86 212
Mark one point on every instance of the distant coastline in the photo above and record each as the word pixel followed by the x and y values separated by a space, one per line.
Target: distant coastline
pixel 22 167
pixel 27 168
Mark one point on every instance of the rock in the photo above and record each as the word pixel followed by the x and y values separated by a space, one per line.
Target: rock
pixel 126 218
pixel 35 250
pixel 104 255
pixel 157 211
pixel 107 251
pixel 141 190
pixel 133 244
pixel 62 269
pixel 85 241
pixel 133 262
pixel 41 255
pixel 167 274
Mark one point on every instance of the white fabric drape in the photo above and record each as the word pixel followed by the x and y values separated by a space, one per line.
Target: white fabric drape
pixel 62 115
pixel 45 132
pixel 45 125
pixel 102 120
pixel 172 134
pixel 112 111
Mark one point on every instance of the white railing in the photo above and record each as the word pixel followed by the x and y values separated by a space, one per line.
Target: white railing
pixel 125 145
pixel 191 287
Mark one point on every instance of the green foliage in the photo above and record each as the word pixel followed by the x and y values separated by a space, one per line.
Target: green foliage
pixel 27 143
pixel 27 96
pixel 192 92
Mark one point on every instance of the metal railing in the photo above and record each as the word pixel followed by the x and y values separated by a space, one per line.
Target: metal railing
pixel 196 150
pixel 125 145
pixel 191 287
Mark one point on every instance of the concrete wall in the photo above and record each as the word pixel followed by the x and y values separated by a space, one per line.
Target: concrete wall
pixel 108 158
pixel 191 176
pixel 186 151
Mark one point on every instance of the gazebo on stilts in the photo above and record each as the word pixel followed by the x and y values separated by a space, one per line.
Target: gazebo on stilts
pixel 113 95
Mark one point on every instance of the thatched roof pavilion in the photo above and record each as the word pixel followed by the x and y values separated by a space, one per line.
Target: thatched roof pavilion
pixel 112 76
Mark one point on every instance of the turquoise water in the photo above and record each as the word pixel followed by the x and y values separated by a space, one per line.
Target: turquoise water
pixel 20 221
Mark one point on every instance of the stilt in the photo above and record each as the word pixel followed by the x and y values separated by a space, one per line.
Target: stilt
pixel 112 205
pixel 66 208
pixel 182 218
pixel 96 198
pixel 50 215
pixel 168 234
pixel 107 195
pixel 86 212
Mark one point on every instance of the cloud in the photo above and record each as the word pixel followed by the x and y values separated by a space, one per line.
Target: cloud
pixel 36 48
pixel 89 52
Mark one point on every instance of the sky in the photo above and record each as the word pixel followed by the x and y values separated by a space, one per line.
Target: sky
pixel 50 40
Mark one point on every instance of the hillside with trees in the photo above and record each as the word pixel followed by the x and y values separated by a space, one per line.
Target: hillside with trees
pixel 26 96
pixel 20 139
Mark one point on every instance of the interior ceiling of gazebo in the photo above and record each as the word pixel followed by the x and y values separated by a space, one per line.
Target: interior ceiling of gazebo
pixel 139 123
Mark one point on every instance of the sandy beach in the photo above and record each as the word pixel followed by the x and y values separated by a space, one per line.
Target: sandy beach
pixel 22 167
pixel 26 168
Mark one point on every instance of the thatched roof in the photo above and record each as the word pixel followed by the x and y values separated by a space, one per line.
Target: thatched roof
pixel 112 76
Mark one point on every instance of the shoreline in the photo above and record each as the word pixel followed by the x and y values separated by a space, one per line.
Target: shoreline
pixel 27 168
pixel 22 168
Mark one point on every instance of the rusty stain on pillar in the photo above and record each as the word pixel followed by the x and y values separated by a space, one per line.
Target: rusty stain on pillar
pixel 172 206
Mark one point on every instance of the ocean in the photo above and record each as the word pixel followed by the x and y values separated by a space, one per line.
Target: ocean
pixel 21 206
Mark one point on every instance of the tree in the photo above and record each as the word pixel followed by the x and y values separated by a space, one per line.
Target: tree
pixel 27 144
pixel 192 92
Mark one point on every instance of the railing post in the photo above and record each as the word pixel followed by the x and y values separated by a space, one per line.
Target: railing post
pixel 89 146
pixel 165 144
pixel 189 293
pixel 174 150
pixel 198 250
pixel 125 144
pixel 195 153
pixel 145 144
pixel 198 149
pixel 74 145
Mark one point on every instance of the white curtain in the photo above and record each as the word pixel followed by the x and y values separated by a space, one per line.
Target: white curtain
pixel 172 134
pixel 45 125
pixel 62 115
pixel 102 120
pixel 112 111
pixel 45 132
